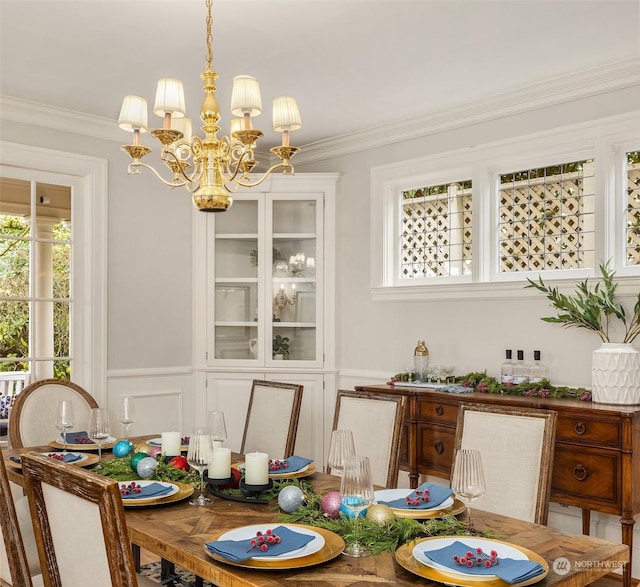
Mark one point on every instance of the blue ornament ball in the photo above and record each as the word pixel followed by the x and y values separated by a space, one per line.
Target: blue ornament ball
pixel 290 498
pixel 122 448
pixel 146 467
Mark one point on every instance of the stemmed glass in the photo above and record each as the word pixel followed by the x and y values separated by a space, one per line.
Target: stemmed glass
pixel 340 447
pixel 468 478
pixel 99 428
pixel 64 420
pixel 356 494
pixel 127 414
pixel 217 427
pixel 199 456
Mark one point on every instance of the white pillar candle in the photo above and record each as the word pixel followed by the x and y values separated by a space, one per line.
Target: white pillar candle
pixel 216 444
pixel 256 468
pixel 220 466
pixel 171 443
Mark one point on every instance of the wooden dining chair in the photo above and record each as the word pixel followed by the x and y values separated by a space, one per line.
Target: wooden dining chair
pixel 33 414
pixel 79 525
pixel 11 384
pixel 376 422
pixel 516 446
pixel 272 418
pixel 19 563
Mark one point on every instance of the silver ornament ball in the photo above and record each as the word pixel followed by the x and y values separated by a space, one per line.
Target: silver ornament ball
pixel 290 498
pixel 146 467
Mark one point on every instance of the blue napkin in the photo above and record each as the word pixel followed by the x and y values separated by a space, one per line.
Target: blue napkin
pixel 151 490
pixel 78 438
pixel 294 464
pixel 68 458
pixel 236 550
pixel 510 570
pixel 437 495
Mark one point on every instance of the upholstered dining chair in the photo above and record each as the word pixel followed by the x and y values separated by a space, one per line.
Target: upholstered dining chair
pixel 33 414
pixel 516 445
pixel 272 418
pixel 376 422
pixel 89 546
pixel 19 563
pixel 11 384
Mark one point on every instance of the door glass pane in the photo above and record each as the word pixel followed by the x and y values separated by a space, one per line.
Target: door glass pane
pixel 236 342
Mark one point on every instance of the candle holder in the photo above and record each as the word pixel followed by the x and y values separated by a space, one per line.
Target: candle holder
pixel 251 493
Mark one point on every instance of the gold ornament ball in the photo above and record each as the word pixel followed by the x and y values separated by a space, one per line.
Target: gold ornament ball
pixel 144 447
pixel 380 514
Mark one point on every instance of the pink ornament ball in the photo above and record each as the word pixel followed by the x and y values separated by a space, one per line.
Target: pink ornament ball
pixel 331 505
pixel 155 451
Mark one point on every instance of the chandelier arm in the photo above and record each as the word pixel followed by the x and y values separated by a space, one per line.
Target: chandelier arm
pixel 284 166
pixel 133 170
pixel 180 167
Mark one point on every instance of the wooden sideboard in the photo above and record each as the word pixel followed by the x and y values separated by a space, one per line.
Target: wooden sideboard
pixel 593 465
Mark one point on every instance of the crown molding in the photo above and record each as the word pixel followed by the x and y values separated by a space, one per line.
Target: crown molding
pixel 591 82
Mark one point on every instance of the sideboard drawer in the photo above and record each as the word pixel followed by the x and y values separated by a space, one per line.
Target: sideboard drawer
pixel 589 431
pixel 443 413
pixel 586 474
pixel 437 444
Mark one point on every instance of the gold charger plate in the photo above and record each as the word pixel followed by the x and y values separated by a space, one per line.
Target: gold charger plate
pixel 184 491
pixel 405 558
pixel 457 507
pixel 79 447
pixel 333 547
pixel 310 470
pixel 86 462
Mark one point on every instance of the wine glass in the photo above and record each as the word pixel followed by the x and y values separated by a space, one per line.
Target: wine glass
pixel 217 427
pixel 468 478
pixel 340 447
pixel 64 420
pixel 99 428
pixel 199 456
pixel 356 494
pixel 127 414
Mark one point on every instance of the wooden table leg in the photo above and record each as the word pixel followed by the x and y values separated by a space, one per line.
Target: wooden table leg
pixel 586 521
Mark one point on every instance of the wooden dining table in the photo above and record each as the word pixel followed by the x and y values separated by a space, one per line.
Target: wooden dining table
pixel 178 531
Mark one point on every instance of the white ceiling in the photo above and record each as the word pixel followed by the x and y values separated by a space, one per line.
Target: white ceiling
pixel 353 65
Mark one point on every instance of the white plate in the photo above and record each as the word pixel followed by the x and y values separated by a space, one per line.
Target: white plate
pixel 109 440
pixel 144 483
pixel 83 456
pixel 248 532
pixel 391 494
pixel 503 550
pixel 285 473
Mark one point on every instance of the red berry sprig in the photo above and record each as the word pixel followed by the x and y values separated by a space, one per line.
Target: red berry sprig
pixel 83 440
pixel 263 541
pixel 185 440
pixel 276 465
pixel 417 497
pixel 56 455
pixel 129 488
pixel 477 558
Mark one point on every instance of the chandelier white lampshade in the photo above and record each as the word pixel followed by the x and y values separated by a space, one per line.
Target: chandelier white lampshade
pixel 245 96
pixel 133 114
pixel 184 126
pixel 286 115
pixel 169 98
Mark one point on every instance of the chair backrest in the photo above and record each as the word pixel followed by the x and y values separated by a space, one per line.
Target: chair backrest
pixel 33 414
pixel 13 382
pixel 272 419
pixel 14 564
pixel 79 523
pixel 516 445
pixel 376 422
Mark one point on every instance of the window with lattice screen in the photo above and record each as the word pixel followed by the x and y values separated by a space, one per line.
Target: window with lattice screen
pixel 546 218
pixel 633 207
pixel 436 231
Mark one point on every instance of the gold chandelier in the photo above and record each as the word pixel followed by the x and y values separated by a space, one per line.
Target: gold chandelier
pixel 210 168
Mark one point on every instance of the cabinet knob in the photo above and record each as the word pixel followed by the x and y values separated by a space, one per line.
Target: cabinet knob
pixel 439 447
pixel 580 428
pixel 439 410
pixel 580 472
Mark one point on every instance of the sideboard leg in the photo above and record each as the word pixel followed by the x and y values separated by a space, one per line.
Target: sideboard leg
pixel 627 538
pixel 586 521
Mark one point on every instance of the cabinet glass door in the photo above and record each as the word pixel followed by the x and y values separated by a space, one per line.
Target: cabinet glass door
pixel 295 229
pixel 236 286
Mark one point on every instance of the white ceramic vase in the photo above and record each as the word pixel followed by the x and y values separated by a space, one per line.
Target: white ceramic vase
pixel 615 374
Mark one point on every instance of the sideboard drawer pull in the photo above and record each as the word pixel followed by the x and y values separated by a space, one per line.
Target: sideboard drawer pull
pixel 439 410
pixel 580 428
pixel 580 472
pixel 439 447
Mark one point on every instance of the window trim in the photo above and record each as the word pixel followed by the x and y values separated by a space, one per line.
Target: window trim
pixel 603 140
pixel 87 177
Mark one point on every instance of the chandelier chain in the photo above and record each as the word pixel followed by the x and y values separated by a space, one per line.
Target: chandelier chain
pixel 209 3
